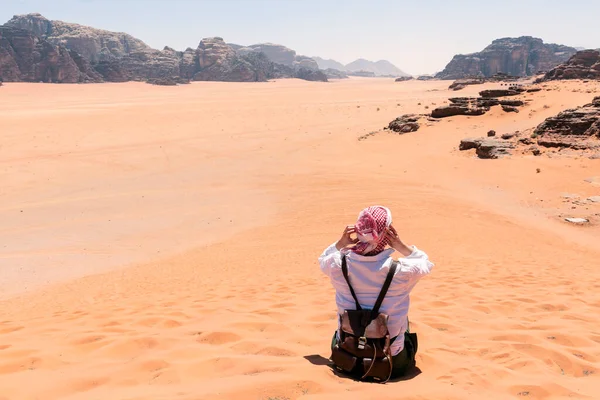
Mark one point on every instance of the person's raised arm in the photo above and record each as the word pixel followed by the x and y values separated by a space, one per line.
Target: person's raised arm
pixel 331 257
pixel 415 261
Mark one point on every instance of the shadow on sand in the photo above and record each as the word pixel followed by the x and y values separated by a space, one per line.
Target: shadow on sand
pixel 316 359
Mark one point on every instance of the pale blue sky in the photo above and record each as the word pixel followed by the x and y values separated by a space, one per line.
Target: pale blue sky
pixel 419 36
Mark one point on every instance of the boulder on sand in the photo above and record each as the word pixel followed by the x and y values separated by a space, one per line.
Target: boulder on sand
pixel 404 124
pixel 454 109
pixel 463 83
pixel 470 143
pixel 498 93
pixel 510 109
pixel 487 148
pixel 494 148
pixel 577 128
pixel 512 103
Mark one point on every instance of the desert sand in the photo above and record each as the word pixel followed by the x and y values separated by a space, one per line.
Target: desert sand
pixel 162 242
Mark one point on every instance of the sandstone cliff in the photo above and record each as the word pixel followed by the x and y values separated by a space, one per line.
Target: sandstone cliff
pixel 28 58
pixel 583 65
pixel 66 52
pixel 93 44
pixel 523 56
pixel 218 61
pixel 279 54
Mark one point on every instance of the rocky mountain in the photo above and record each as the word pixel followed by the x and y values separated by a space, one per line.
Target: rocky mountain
pixel 379 68
pixel 335 74
pixel 523 56
pixel 329 64
pixel 55 51
pixel 583 65
pixel 363 67
pixel 25 57
pixel 94 44
pixel 279 54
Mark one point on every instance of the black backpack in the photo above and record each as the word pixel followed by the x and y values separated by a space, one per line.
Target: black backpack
pixel 364 346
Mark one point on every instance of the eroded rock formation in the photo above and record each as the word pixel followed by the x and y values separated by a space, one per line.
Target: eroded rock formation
pixel 523 56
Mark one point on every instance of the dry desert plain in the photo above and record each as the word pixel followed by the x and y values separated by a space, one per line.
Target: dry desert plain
pixel 161 242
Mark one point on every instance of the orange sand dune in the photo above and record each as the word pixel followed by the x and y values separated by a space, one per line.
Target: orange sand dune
pixel 161 242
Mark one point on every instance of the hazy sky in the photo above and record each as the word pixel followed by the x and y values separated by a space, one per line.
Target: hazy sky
pixel 419 36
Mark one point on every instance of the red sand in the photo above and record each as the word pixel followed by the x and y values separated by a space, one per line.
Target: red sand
pixel 158 242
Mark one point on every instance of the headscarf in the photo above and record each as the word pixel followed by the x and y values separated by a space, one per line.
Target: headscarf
pixel 371 229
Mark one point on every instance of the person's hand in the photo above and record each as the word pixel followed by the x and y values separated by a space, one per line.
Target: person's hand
pixel 347 239
pixel 396 243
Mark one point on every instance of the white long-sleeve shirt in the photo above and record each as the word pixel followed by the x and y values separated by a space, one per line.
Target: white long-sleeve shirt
pixel 367 275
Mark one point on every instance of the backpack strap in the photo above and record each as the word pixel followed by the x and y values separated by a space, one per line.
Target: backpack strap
pixel 345 272
pixel 384 289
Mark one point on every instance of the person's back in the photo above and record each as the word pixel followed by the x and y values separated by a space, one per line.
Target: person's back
pixel 368 262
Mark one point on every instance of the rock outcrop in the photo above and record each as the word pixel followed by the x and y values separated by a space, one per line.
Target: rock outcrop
pixel 583 65
pixel 218 62
pixel 65 52
pixel 404 78
pixel 306 62
pixel 335 74
pixel 404 124
pixel 28 58
pixel 278 54
pixel 169 81
pixel 499 93
pixel 463 83
pixel 487 148
pixel 480 105
pixel 470 143
pixel 577 128
pixel 523 56
pixel 311 75
pixel 457 109
pixel 507 108
pixel 494 148
pixel 364 74
pixel 329 64
pixel 275 52
pixel 575 131
pixel 93 44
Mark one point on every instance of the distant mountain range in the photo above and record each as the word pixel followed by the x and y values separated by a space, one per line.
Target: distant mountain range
pixel 378 68
pixel 36 49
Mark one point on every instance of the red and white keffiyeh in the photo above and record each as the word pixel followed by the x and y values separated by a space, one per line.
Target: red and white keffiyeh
pixel 371 228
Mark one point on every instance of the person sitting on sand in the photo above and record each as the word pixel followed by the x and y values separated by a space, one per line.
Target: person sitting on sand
pixel 358 264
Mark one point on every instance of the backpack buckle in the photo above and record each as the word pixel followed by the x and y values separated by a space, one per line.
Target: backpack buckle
pixel 362 342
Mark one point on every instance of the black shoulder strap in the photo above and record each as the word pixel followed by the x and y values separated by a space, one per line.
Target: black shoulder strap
pixel 345 272
pixel 384 289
